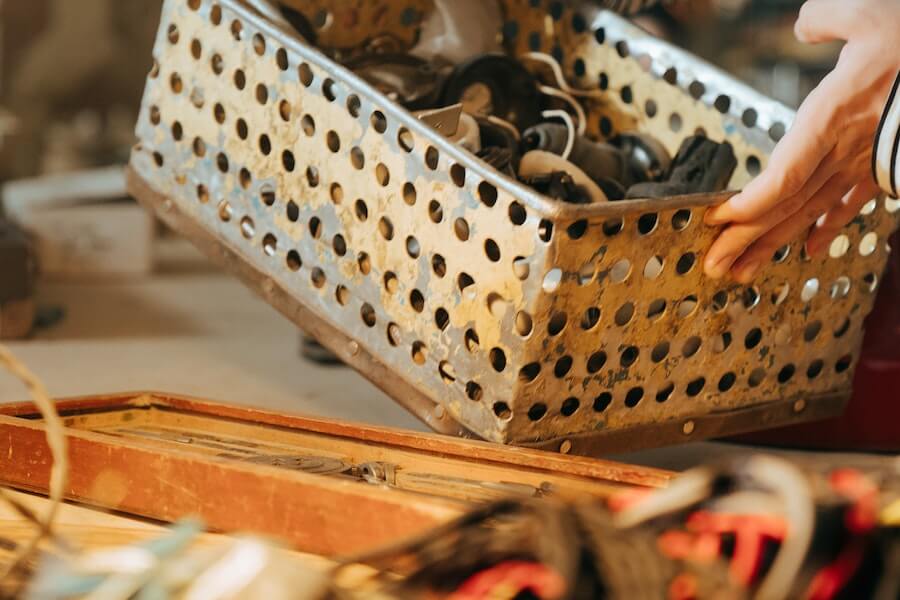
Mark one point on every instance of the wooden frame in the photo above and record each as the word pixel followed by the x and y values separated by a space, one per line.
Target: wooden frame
pixel 165 479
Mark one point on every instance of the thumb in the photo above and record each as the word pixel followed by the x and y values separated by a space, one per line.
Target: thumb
pixel 825 21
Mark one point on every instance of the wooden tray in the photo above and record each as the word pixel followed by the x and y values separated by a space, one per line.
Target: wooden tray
pixel 324 486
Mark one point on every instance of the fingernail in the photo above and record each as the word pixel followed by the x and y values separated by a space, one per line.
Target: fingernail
pixel 746 273
pixel 718 267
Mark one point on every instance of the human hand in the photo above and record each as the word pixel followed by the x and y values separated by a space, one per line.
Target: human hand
pixel 820 174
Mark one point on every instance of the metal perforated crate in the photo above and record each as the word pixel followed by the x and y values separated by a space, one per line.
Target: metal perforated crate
pixel 482 306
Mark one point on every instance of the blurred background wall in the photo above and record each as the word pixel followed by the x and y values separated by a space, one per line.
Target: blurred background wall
pixel 71 75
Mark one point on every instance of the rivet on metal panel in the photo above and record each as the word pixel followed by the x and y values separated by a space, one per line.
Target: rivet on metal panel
pixel 353 348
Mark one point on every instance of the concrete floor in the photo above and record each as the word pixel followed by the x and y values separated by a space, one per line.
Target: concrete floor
pixel 190 329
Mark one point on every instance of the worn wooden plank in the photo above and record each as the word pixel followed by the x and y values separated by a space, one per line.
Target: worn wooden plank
pixel 315 514
pixel 486 452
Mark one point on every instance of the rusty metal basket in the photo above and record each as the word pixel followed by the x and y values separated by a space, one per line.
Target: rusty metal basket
pixel 482 306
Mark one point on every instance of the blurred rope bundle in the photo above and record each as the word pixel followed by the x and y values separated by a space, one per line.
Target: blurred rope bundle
pixel 22 554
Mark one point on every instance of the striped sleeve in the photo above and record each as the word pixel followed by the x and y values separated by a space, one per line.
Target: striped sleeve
pixel 885 164
pixel 630 7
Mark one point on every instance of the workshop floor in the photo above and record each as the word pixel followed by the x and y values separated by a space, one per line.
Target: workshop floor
pixel 191 329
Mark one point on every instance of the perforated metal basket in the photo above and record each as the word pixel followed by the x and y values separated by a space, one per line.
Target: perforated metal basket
pixel 480 305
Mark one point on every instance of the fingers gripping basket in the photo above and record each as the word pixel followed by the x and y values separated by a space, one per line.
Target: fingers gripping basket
pixel 483 307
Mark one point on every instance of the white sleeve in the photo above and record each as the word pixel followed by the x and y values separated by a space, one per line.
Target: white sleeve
pixel 885 159
pixel 630 7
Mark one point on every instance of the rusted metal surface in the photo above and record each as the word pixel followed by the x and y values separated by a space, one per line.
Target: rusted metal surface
pixel 524 320
pixel 240 469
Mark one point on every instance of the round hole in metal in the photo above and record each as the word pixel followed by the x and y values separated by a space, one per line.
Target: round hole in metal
pixel 552 280
pixel 620 271
pixel 810 289
pixel 596 361
pixel 629 356
pixel 417 301
pixel 786 373
pixel 814 369
pixel 269 244
pixel 665 392
pixel 471 340
pixel 569 406
pixel 868 244
pixel 439 265
pixel 691 346
pixel 812 330
pixel 660 352
pixel 248 228
pixel 602 402
pixel 656 309
pixel 435 211
pixel 681 219
pixel 753 338
pixel 841 329
pixel 654 267
pixel 590 318
pixel 409 193
pixel 342 295
pixel 419 354
pixel 529 372
pixel 517 214
pixel 756 377
pixel 624 314
pixel 727 381
pixel 563 365
pixel 498 359
pixel 695 386
pixel 524 323
pixel 719 301
pixel 634 396
pixel 393 334
pixel 840 288
pixel 537 411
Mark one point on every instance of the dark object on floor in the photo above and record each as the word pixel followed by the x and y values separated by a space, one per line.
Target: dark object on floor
pixel 16 282
pixel 558 185
pixel 701 166
pixel 495 84
pixel 48 316
pixel 315 352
